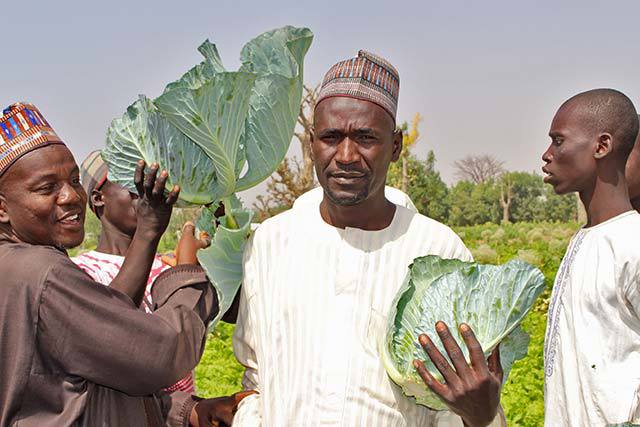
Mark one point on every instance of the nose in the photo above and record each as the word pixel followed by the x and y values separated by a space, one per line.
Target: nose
pixel 69 195
pixel 347 152
pixel 547 156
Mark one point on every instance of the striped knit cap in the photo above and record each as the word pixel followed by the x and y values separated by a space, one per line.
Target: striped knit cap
pixel 368 77
pixel 93 174
pixel 23 129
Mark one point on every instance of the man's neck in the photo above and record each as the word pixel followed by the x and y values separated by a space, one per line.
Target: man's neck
pixel 375 213
pixel 113 241
pixel 606 201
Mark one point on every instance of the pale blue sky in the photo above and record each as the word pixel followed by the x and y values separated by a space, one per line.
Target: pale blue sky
pixel 486 75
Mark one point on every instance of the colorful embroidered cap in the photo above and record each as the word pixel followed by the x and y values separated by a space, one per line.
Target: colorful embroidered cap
pixel 368 77
pixel 93 174
pixel 23 129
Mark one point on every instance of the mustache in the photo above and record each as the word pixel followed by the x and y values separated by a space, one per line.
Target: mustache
pixel 348 170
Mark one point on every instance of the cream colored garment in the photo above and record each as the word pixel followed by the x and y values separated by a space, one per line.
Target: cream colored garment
pixel 592 343
pixel 313 312
pixel 312 198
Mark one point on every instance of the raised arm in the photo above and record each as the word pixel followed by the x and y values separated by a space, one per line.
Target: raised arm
pixel 153 214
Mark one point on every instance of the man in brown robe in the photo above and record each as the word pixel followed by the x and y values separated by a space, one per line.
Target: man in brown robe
pixel 74 352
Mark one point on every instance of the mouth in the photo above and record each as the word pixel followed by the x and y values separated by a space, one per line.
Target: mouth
pixel 347 178
pixel 71 219
pixel 547 175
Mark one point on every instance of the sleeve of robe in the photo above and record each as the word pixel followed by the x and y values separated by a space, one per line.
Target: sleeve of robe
pixel 94 332
pixel 249 411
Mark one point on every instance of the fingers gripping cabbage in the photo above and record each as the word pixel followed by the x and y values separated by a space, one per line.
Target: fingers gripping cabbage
pixel 493 300
pixel 218 132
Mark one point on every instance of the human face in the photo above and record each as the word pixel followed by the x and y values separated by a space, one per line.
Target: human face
pixel 570 163
pixel 118 207
pixel 41 198
pixel 632 173
pixel 353 143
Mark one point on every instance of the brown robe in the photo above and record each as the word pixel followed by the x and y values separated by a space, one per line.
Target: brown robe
pixel 76 353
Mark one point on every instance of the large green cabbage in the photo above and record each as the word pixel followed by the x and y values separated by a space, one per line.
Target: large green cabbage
pixel 218 132
pixel 492 300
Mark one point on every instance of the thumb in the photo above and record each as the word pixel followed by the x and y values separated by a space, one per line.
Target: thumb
pixel 189 228
pixel 204 240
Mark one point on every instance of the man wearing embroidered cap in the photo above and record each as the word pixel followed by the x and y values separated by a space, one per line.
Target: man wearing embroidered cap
pixel 318 282
pixel 73 352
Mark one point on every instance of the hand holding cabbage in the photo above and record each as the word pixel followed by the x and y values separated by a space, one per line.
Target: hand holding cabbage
pixel 491 300
pixel 471 390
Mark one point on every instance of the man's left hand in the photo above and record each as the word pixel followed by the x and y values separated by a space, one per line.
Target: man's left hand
pixel 470 391
pixel 216 412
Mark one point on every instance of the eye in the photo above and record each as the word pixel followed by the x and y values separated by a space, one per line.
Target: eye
pixel 366 138
pixel 556 140
pixel 331 138
pixel 46 188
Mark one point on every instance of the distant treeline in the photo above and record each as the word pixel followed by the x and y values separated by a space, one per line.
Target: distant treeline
pixel 509 196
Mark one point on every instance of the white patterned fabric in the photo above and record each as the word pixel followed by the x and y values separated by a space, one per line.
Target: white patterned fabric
pixel 313 312
pixel 592 343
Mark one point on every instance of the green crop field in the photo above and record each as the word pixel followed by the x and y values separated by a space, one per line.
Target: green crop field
pixel 542 245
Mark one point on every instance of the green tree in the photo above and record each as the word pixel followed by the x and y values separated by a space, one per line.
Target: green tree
pixel 472 203
pixel 424 185
pixel 555 208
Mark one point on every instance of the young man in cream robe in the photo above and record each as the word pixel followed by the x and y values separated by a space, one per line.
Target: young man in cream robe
pixel 592 343
pixel 320 278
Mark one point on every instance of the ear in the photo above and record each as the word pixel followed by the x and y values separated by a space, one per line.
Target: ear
pixel 4 213
pixel 397 145
pixel 96 198
pixel 312 137
pixel 604 147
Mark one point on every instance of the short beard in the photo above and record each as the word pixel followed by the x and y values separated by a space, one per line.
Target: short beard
pixel 353 200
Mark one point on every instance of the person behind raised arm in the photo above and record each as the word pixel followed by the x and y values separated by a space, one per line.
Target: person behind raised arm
pixel 74 352
pixel 115 207
pixel 319 282
pixel 592 342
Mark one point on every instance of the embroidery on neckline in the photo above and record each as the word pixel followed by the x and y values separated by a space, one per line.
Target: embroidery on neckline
pixel 556 305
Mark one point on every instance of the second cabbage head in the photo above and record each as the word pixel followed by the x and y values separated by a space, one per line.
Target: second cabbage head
pixel 491 299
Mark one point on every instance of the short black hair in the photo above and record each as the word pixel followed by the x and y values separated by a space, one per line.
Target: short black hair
pixel 610 111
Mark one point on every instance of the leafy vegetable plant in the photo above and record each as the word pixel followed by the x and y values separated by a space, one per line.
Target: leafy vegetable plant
pixel 218 132
pixel 492 300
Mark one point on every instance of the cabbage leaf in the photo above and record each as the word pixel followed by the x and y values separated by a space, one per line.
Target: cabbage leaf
pixel 492 300
pixel 218 132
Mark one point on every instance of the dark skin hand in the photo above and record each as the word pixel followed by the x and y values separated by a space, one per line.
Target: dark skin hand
pixel 470 391
pixel 153 212
pixel 217 412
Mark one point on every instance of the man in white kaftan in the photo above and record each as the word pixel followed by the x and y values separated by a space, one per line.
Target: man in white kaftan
pixel 316 296
pixel 592 342
pixel 313 312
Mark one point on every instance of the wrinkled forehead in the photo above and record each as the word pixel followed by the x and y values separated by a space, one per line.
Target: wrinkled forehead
pixel 346 113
